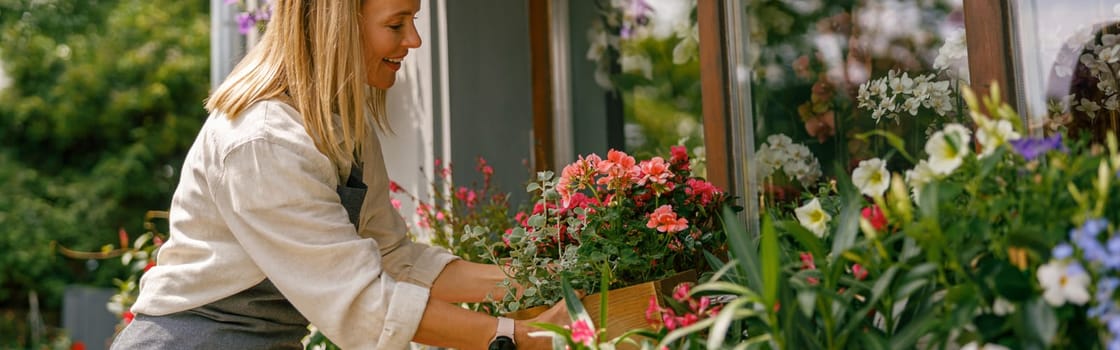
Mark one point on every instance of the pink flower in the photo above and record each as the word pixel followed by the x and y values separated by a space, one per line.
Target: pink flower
pixel 653 312
pixel 665 220
pixel 440 216
pixel 486 170
pixel 859 272
pixel 808 264
pixel 619 169
pixel 396 203
pixel 505 236
pixel 582 333
pixel 875 216
pixel 680 292
pixel 655 170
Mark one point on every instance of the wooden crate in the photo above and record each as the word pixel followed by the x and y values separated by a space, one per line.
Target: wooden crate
pixel 626 307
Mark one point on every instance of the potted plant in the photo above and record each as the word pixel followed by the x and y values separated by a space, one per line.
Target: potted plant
pixel 646 224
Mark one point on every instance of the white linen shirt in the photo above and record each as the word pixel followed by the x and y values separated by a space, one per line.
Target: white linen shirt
pixel 257 200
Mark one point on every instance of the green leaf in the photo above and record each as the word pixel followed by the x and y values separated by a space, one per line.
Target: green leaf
pixel 743 249
pixel 572 301
pixel 1039 321
pixel 908 336
pixel 723 323
pixel 804 237
pixel 892 139
pixel 771 262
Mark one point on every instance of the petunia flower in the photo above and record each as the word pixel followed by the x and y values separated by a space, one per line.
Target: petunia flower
pixel 872 177
pixel 1064 283
pixel 947 148
pixel 812 217
pixel 918 177
pixel 1032 148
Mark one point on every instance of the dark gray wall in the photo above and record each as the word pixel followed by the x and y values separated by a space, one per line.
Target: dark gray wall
pixel 490 90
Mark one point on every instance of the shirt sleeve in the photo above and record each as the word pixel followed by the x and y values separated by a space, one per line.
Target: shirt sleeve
pixel 279 200
pixel 402 258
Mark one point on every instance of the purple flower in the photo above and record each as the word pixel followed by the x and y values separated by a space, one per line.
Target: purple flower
pixel 1032 148
pixel 231 2
pixel 245 22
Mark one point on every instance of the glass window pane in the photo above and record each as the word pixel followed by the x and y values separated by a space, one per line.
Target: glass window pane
pixel 646 53
pixel 821 75
pixel 1069 56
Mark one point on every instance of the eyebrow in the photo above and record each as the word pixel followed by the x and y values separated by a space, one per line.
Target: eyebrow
pixel 403 13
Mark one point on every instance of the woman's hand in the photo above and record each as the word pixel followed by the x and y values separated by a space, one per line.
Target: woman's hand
pixel 557 314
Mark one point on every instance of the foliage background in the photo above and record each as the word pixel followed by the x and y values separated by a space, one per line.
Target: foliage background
pixel 105 98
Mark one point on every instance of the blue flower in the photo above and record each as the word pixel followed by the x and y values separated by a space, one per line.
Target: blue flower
pixel 1062 251
pixel 1032 148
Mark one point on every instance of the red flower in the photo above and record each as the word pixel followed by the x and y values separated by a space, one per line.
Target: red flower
pixel 127 316
pixel 151 264
pixel 875 216
pixel 394 187
pixel 78 345
pixel 679 154
pixel 701 191
pixel 859 272
pixel 808 264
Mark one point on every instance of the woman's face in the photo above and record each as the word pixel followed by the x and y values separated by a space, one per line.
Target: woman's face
pixel 387 32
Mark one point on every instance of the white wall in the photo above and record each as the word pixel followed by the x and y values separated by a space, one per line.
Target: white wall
pixel 410 147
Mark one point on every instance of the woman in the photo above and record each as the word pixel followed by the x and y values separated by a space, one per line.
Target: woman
pixel 272 225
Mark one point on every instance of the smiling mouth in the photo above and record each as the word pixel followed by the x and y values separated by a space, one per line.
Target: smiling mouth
pixel 393 60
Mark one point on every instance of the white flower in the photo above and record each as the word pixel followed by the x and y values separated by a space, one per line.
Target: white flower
pixel 987 346
pixel 993 133
pixel 901 84
pixel 639 64
pixel 1063 283
pixel 918 177
pixel 779 140
pixel 1002 307
pixel 689 46
pixel 1089 107
pixel 812 217
pixel 872 177
pixel 947 148
pixel 1112 104
pixel 911 105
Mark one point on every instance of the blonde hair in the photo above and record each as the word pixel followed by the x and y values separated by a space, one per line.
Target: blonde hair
pixel 310 55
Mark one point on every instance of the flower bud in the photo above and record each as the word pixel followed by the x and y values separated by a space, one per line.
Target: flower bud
pixel 899 198
pixel 868 229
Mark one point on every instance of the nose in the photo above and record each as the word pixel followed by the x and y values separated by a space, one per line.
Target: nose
pixel 412 38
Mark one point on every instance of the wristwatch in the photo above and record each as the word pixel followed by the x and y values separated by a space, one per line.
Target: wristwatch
pixel 503 336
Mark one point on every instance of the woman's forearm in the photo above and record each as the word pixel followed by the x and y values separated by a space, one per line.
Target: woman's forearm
pixel 467 282
pixel 447 325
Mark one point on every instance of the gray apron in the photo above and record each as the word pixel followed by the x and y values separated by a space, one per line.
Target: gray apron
pixel 256 318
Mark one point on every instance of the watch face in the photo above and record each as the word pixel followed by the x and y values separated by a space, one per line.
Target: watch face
pixel 502 343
